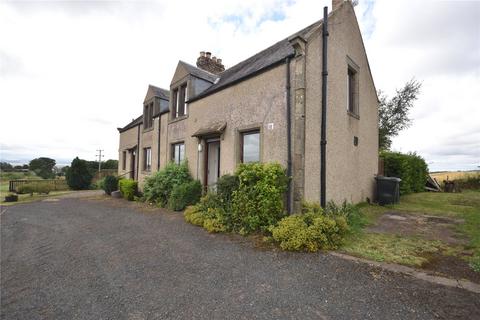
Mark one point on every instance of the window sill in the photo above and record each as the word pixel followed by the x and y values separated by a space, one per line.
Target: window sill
pixel 178 119
pixel 353 115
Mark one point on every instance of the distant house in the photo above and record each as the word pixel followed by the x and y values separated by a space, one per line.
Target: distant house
pixel 217 118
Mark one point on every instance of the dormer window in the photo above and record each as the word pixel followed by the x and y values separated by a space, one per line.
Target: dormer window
pixel 148 116
pixel 179 101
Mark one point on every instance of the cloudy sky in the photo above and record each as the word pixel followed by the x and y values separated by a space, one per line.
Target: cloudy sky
pixel 71 72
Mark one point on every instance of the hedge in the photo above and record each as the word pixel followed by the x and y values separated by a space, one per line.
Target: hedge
pixel 128 188
pixel 411 168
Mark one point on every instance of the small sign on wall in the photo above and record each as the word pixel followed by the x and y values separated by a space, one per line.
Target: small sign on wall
pixel 270 126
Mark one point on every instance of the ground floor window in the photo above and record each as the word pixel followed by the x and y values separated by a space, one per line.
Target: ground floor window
pixel 250 146
pixel 147 159
pixel 178 152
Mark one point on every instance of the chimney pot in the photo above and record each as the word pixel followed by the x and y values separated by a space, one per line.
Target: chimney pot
pixel 214 59
pixel 219 61
pixel 202 53
pixel 209 54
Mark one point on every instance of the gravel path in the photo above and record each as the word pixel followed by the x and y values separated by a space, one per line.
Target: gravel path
pixel 108 259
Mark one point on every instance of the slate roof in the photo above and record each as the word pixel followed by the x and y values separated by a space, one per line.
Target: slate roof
pixel 132 124
pixel 199 73
pixel 257 63
pixel 162 93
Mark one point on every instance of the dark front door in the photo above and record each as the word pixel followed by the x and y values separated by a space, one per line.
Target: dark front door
pixel 213 163
pixel 133 155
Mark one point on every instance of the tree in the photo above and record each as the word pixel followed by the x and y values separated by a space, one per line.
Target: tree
pixel 78 175
pixel 5 166
pixel 43 167
pixel 110 164
pixel 393 113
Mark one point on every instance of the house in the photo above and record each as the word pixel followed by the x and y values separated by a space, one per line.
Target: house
pixel 268 108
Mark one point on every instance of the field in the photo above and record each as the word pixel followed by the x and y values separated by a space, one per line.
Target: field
pixel 453 175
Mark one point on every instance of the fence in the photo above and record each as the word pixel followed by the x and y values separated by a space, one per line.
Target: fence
pixel 105 172
pixel 56 184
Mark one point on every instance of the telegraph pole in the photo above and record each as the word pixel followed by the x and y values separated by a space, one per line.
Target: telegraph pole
pixel 100 156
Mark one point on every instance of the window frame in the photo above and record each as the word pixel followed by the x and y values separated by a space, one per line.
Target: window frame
pixel 147 159
pixel 173 157
pixel 353 92
pixel 124 160
pixel 242 144
pixel 180 91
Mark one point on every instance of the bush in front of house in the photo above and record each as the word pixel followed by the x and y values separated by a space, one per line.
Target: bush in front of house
pixel 109 184
pixel 250 201
pixel 128 188
pixel 159 186
pixel 259 200
pixel 78 176
pixel 226 186
pixel 184 195
pixel 411 168
pixel 312 230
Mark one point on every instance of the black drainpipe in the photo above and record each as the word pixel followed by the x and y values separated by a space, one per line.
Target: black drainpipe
pixel 137 158
pixel 159 138
pixel 289 138
pixel 323 134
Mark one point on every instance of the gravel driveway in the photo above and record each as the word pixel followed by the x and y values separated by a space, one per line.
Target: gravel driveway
pixel 108 259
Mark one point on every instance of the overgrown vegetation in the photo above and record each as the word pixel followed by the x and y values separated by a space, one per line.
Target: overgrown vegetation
pixel 159 186
pixel 415 250
pixel 109 184
pixel 78 176
pixel 128 188
pixel 184 195
pixel 312 230
pixel 411 168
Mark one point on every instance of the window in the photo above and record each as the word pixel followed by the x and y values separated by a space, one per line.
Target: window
pixel 178 152
pixel 147 159
pixel 250 146
pixel 124 160
pixel 148 116
pixel 352 85
pixel 179 98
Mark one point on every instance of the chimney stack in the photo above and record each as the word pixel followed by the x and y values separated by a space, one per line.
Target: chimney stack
pixel 208 63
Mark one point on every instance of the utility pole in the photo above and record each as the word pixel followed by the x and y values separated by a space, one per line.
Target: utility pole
pixel 100 156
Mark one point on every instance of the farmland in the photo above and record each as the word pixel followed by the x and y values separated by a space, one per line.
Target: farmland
pixel 454 175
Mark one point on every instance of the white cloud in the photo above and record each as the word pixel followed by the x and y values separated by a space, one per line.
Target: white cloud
pixel 73 71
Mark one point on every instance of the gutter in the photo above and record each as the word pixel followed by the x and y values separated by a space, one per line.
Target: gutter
pixel 323 132
pixel 159 138
pixel 289 137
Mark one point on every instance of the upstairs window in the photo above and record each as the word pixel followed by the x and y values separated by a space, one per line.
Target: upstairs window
pixel 352 91
pixel 148 116
pixel 178 152
pixel 250 146
pixel 147 159
pixel 179 101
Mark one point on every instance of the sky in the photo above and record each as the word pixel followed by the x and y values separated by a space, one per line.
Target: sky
pixel 72 72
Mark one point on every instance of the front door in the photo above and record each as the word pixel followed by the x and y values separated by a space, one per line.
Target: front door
pixel 132 164
pixel 213 162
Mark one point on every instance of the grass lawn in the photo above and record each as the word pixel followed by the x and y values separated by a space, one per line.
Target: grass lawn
pixel 22 198
pixel 415 251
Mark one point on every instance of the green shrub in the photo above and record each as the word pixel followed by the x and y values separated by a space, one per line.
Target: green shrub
pixel 309 232
pixel 226 186
pixel 184 195
pixel 109 184
pixel 194 216
pixel 26 188
pixel 128 188
pixel 43 188
pixel 159 186
pixel 259 200
pixel 411 168
pixel 78 175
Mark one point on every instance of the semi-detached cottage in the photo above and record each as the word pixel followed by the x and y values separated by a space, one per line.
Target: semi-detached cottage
pixel 268 108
